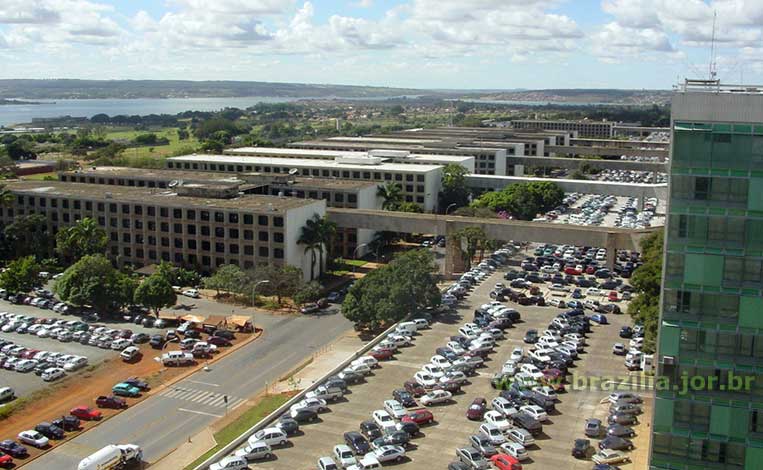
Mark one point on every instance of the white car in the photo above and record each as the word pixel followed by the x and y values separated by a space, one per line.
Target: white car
pixel 25 365
pixel 539 356
pixel 497 419
pixel 515 450
pixel 509 368
pixel 366 360
pixel 425 379
pixel 636 343
pixel 33 438
pixel 455 347
pixel 503 406
pixel 255 451
pixel 313 404
pixel 230 462
pixel 399 340
pixel 493 433
pixel 361 369
pixel 435 397
pixel 384 420
pixel 367 462
pixel 516 354
pixel 592 291
pixel 52 373
pixel 271 436
pixel 535 411
pixel 454 376
pixel 192 293
pixel 394 408
pixel 521 436
pixel 545 391
pixel 344 456
pixel 440 362
pixel 388 453
pixel 128 354
pixel 75 364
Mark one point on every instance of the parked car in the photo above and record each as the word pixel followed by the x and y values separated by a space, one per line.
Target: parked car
pixel 125 390
pixel 420 417
pixel 67 423
pixel 85 413
pixel 581 448
pixel 477 409
pixel 49 430
pixel 110 401
pixel 357 442
pixel 593 427
pixel 33 438
pixel 13 448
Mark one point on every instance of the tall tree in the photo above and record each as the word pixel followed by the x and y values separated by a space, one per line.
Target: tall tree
pixel 646 280
pixel 311 238
pixel 21 275
pixel 454 189
pixel 228 278
pixel 29 235
pixel 391 194
pixel 283 281
pixel 475 239
pixel 155 292
pixel 93 281
pixel 81 239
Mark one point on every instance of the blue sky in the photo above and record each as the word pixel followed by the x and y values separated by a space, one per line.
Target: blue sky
pixel 406 43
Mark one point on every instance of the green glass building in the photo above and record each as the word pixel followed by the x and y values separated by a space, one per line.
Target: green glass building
pixel 712 304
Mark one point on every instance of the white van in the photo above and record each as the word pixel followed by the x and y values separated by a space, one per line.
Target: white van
pixel 52 373
pixel 177 358
pixel 421 323
pixel 6 393
pixel 407 328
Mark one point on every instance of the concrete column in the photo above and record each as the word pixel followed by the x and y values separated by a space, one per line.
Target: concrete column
pixel 454 261
pixel 611 247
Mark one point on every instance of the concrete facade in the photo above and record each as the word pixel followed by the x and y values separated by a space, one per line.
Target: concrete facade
pixel 584 128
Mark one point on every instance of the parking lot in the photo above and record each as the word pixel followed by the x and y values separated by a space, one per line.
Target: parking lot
pixel 614 216
pixel 436 448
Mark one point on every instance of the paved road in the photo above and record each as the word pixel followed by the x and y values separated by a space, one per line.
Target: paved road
pixel 162 422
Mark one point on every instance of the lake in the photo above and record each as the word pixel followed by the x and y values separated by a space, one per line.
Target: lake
pixel 23 113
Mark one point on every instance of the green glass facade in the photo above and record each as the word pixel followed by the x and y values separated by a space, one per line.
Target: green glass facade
pixel 712 304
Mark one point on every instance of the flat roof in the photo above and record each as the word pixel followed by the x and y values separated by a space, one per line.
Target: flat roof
pixel 220 178
pixel 361 146
pixel 298 152
pixel 386 139
pixel 304 163
pixel 155 196
pixel 531 179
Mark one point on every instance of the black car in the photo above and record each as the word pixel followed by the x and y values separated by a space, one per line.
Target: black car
pixel 532 425
pixel 288 425
pixel 447 353
pixel 357 443
pixel 405 398
pixel 148 322
pixel 84 339
pixel 13 448
pixel 458 465
pixel 51 431
pixel 410 427
pixel 227 334
pixel 370 430
pixel 352 377
pixel 396 438
pixel 157 341
pixel 580 448
pixel 618 430
pixel 622 418
pixel 531 336
pixel 136 382
pixel 67 423
pixel 40 367
pixel 615 443
pixel 626 332
pixel 139 338
pixel 304 415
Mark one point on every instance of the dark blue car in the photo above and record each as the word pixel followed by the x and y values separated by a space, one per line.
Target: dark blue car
pixel 600 319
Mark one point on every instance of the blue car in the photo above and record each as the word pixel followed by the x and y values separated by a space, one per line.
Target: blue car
pixel 575 304
pixel 600 319
pixel 576 294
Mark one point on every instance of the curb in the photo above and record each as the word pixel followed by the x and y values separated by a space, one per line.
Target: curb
pixel 146 396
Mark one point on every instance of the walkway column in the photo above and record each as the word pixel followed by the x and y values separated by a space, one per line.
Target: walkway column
pixel 454 260
pixel 611 246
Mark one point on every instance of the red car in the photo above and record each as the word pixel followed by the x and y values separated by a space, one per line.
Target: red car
pixel 419 417
pixel 5 460
pixel 505 462
pixel 382 354
pixel 572 270
pixel 85 413
pixel 414 388
pixel 590 269
pixel 476 410
pixel 613 296
pixel 218 341
pixel 29 353
pixel 110 402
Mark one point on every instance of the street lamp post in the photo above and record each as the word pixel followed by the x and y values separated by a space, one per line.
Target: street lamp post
pixel 448 208
pixel 254 290
pixel 354 254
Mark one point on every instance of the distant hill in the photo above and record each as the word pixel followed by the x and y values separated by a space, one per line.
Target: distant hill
pixel 128 89
pixel 88 89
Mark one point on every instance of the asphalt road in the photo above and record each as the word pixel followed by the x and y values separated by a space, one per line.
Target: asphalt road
pixel 162 422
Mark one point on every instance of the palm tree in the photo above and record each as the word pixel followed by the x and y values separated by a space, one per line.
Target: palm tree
pixel 83 238
pixel 326 234
pixel 392 196
pixel 6 197
pixel 311 238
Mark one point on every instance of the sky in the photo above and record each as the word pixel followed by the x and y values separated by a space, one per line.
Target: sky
pixel 431 44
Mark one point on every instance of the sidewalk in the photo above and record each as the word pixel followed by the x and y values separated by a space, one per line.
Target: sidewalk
pixel 311 370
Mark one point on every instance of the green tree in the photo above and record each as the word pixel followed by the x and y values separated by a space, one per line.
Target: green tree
pixel 388 294
pixel 283 281
pixel 29 235
pixel 646 281
pixel 454 189
pixel 178 276
pixel 228 278
pixel 212 146
pixel 155 293
pixel 83 238
pixel 409 207
pixel 391 194
pixel 21 275
pixel 93 281
pixel 309 292
pixel 523 200
pixel 475 238
pixel 317 234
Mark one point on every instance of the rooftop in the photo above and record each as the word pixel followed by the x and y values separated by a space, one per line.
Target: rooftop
pixel 715 86
pixel 299 152
pixel 160 197
pixel 304 163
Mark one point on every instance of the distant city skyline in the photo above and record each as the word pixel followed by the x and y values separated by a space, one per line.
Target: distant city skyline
pixel 463 44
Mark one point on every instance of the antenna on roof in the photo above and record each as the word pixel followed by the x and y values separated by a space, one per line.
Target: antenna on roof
pixel 712 67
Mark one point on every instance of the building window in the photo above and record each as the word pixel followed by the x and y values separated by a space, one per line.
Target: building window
pixel 278 253
pixel 219 232
pixel 205 246
pixel 205 216
pixel 248 219
pixel 191 244
pixel 248 250
pixel 233 218
pixel 233 233
pixel 248 235
pixel 165 241
pixel 220 247
pixel 204 230
pixel 278 237
pixel 263 252
pixel 233 249
pixel 178 228
pixel 151 211
pixel 190 229
pixel 219 217
pixel 263 236
pixel 278 221
pixel 262 220
pixel 164 227
pixel 190 214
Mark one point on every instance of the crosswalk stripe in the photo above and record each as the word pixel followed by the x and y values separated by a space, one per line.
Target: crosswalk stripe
pixel 217 401
pixel 202 397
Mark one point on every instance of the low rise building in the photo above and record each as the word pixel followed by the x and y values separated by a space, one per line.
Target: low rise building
pixel 199 226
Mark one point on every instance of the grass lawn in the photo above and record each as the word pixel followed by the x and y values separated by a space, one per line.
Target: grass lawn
pixel 174 146
pixel 344 266
pixel 40 176
pixel 251 417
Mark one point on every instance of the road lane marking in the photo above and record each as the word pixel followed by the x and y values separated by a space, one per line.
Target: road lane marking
pixel 200 413
pixel 203 383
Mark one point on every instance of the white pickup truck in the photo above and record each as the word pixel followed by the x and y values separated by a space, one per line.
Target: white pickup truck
pixel 112 457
